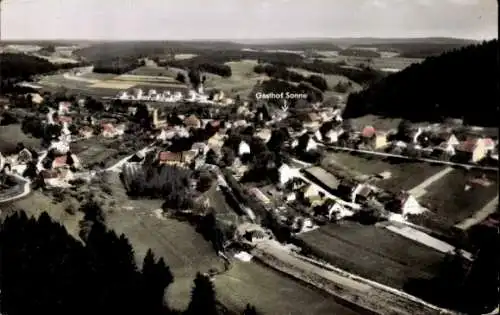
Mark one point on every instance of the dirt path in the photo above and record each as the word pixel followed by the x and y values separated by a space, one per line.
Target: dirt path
pixel 479 216
pixel 420 190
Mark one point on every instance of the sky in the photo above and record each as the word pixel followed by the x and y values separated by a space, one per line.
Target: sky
pixel 245 19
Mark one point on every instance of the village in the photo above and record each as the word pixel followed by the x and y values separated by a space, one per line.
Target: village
pixel 288 184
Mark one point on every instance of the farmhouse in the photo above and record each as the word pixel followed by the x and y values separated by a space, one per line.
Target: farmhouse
pixel 472 150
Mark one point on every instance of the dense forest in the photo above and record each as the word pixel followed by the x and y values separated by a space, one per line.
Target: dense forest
pixel 22 66
pixel 45 270
pixel 280 72
pixel 352 52
pixel 457 84
pixel 118 65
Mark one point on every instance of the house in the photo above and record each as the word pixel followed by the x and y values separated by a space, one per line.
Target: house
pixel 86 132
pixel 311 145
pixel 404 203
pixel 285 174
pixel 361 193
pixel 310 191
pixel 159 119
pixel 374 139
pixel 170 158
pixel 332 136
pixel 64 119
pixel 64 161
pixel 445 139
pixel 472 150
pixel 110 131
pixel 36 98
pixel 489 144
pixel 63 108
pixel 257 193
pixel 368 132
pixel 192 122
pixel 264 134
pixel 200 147
pixel 243 148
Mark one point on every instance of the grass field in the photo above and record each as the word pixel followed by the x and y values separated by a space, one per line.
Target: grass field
pixel 449 200
pixel 241 82
pixel 373 252
pixel 11 135
pixel 405 175
pixel 273 293
pixel 377 63
pixel 184 250
pixel 184 56
pixel 36 203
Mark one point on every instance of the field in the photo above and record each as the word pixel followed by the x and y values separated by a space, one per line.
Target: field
pixel 377 63
pixel 404 176
pixel 11 135
pixel 448 198
pixel 241 82
pixel 373 252
pixel 36 203
pixel 273 293
pixel 184 56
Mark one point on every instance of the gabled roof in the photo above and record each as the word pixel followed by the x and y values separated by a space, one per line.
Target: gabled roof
pixel 167 156
pixel 468 146
pixel 368 132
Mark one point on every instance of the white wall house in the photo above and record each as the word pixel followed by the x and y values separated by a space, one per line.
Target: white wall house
pixel 311 145
pixel 243 148
pixel 285 174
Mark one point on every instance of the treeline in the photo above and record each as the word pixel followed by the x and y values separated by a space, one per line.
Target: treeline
pixel 118 65
pixel 280 72
pixel 45 270
pixel 352 52
pixel 457 84
pixel 167 182
pixel 22 66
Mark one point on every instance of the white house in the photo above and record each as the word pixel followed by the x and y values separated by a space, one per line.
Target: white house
pixel 311 145
pixel 311 191
pixel 63 108
pixel 285 174
pixel 332 136
pixel 318 135
pixel 243 148
pixel 60 147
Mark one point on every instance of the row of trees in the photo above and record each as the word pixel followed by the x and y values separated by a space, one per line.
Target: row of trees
pixel 46 270
pixel 280 72
pixel 435 89
pixel 118 65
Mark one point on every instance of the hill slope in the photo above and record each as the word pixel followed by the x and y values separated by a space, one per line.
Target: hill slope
pixel 459 84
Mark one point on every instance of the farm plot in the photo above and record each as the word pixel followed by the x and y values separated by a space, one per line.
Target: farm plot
pixel 183 249
pixel 377 63
pixel 373 252
pixel 405 175
pixel 449 199
pixel 184 56
pixel 152 71
pixel 272 292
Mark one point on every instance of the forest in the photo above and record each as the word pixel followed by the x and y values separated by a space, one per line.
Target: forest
pixel 47 271
pixel 457 84
pixel 118 65
pixel 280 72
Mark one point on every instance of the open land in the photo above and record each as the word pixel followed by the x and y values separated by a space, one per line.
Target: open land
pixel 273 292
pixel 404 175
pixel 184 56
pixel 377 63
pixel 241 82
pixel 449 199
pixel 373 252
pixel 331 79
pixel 11 135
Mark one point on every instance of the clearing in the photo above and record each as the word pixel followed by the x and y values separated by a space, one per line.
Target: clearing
pixel 331 79
pixel 184 56
pixel 449 199
pixel 377 63
pixel 241 82
pixel 405 175
pixel 373 252
pixel 272 292
pixel 12 134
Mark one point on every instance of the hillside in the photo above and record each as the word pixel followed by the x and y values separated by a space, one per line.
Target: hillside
pixel 22 66
pixel 460 83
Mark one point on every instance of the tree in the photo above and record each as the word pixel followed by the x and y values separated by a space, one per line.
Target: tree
pixel 250 310
pixel 156 277
pixel 181 77
pixel 211 157
pixel 228 156
pixel 203 300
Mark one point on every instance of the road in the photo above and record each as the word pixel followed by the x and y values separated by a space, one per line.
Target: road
pixel 420 190
pixel 22 189
pixel 383 154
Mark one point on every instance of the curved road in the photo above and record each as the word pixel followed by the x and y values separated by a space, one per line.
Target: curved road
pixel 22 189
